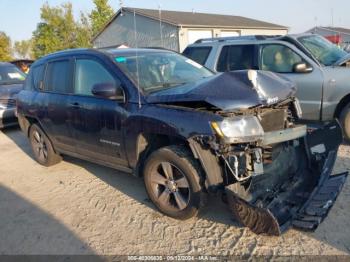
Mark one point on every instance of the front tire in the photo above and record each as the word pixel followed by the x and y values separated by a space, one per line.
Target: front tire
pixel 172 181
pixel 345 122
pixel 42 148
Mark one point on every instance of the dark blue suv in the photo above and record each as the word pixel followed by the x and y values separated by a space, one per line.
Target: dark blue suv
pixel 188 132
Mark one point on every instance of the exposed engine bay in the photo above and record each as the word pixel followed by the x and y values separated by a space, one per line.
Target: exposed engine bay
pixel 242 161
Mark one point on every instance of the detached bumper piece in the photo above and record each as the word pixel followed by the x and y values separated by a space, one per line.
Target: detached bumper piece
pixel 259 220
pixel 301 199
pixel 320 203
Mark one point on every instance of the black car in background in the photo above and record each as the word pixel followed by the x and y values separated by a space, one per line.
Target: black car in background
pixel 188 132
pixel 11 82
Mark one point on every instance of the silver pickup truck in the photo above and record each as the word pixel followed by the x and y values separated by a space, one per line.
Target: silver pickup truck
pixel 319 68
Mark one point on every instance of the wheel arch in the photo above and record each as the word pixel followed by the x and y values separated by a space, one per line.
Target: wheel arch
pixel 341 105
pixel 211 176
pixel 25 122
pixel 147 143
pixel 28 122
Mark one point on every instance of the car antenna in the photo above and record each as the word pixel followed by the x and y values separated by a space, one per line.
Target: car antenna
pixel 160 24
pixel 137 62
pixel 121 4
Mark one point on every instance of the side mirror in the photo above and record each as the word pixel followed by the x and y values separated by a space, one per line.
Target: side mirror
pixel 302 68
pixel 111 91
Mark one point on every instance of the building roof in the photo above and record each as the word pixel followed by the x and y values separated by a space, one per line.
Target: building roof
pixel 194 19
pixel 339 30
pixel 203 19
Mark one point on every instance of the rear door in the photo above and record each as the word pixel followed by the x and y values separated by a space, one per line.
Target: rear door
pixel 96 122
pixel 55 108
pixel 281 59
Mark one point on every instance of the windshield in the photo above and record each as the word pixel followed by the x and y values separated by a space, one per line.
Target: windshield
pixel 322 49
pixel 158 71
pixel 10 74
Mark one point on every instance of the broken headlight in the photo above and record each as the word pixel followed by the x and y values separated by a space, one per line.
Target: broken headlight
pixel 239 129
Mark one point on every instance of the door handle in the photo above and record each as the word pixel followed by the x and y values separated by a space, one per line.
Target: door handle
pixel 75 105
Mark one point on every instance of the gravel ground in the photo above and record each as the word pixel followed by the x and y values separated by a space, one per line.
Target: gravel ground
pixel 77 207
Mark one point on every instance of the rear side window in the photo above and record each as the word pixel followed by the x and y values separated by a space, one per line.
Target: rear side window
pixel 87 74
pixel 35 78
pixel 236 57
pixel 58 77
pixel 38 77
pixel 198 54
pixel 222 65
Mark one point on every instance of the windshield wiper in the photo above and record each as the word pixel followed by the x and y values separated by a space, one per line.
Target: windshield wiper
pixel 165 86
pixel 169 84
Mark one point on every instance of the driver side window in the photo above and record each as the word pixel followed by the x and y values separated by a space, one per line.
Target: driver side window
pixel 279 59
pixel 88 73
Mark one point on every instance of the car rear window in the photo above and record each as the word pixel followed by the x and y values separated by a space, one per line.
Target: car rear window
pixel 198 54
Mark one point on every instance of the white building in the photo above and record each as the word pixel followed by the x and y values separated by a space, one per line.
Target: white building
pixel 175 30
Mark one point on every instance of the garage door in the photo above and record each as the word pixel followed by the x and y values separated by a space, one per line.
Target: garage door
pixel 194 35
pixel 229 33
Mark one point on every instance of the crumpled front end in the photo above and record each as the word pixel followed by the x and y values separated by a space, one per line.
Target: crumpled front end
pixel 297 188
pixel 282 180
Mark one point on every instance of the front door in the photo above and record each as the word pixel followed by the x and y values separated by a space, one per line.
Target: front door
pixel 282 59
pixel 96 121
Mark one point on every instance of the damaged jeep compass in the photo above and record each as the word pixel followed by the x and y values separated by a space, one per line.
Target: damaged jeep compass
pixel 187 132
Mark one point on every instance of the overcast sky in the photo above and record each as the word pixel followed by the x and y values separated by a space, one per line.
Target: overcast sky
pixel 18 18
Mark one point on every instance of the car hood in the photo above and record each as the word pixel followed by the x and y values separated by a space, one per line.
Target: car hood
pixel 9 91
pixel 230 91
pixel 343 60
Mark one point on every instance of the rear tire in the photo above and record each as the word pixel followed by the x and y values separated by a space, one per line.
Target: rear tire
pixel 345 122
pixel 42 148
pixel 172 181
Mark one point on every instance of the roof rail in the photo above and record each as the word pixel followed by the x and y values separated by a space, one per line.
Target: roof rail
pixel 236 38
pixel 156 47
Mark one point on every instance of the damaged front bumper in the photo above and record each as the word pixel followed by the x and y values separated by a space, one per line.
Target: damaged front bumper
pixel 275 137
pixel 305 210
pixel 298 195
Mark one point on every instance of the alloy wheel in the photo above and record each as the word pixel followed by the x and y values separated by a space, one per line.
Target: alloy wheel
pixel 170 186
pixel 39 146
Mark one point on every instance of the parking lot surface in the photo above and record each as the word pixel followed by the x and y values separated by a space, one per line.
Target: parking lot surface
pixel 77 207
